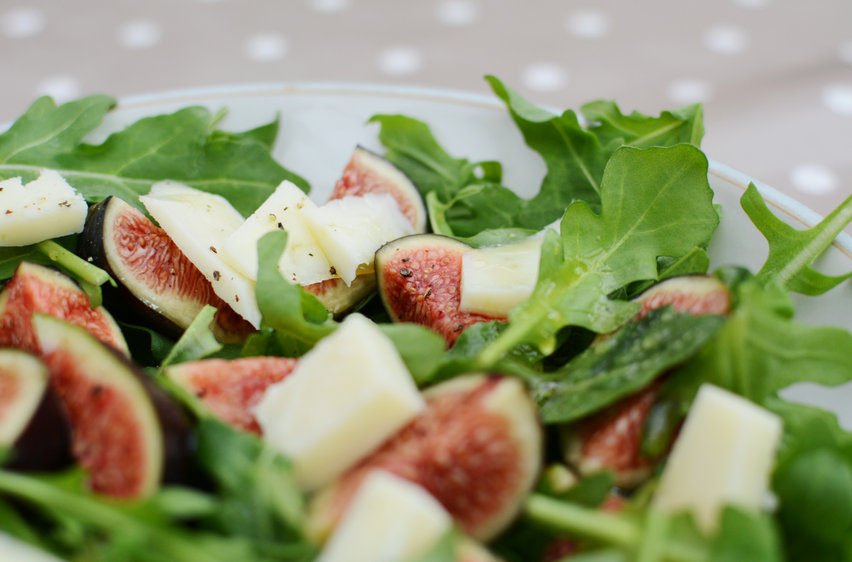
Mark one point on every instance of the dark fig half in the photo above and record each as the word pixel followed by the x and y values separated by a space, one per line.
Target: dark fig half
pixel 419 279
pixel 42 290
pixel 127 432
pixel 33 424
pixel 157 283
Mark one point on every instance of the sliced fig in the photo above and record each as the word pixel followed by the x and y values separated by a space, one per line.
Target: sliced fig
pixel 419 280
pixel 611 439
pixel 338 298
pixel 127 432
pixel 696 294
pixel 38 289
pixel 367 172
pixel 157 282
pixel 232 388
pixel 476 448
pixel 33 424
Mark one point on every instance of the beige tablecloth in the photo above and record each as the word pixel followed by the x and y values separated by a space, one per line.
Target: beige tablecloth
pixel 775 75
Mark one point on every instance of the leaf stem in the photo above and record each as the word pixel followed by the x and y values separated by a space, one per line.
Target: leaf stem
pixel 82 269
pixel 606 527
pixel 101 516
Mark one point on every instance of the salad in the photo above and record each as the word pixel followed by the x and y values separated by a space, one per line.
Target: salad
pixel 624 209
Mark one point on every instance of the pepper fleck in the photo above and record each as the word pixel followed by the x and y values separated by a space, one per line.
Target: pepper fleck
pixel 405 272
pixel 428 293
pixel 404 260
pixel 214 250
pixel 459 328
pixel 216 275
pixel 332 270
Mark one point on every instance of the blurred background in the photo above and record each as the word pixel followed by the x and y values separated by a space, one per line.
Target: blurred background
pixel 775 76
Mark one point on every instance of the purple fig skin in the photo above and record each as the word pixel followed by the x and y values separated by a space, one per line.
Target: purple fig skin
pixel 45 443
pixel 33 421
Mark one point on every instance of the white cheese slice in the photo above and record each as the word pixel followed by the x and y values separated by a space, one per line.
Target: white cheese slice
pixel 723 455
pixel 199 222
pixel 389 520
pixel 44 208
pixel 495 280
pixel 351 229
pixel 346 396
pixel 303 261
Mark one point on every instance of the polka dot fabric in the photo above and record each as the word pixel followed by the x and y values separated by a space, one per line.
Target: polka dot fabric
pixel 775 77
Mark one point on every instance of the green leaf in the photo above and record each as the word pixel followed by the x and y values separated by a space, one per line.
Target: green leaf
pixel 197 340
pixel 610 125
pixel 293 313
pixel 574 157
pixel 745 536
pixel 761 350
pixel 421 349
pixel 179 146
pixel 259 497
pixel 655 202
pixel 813 483
pixel 412 147
pixel 45 130
pixel 791 251
pixel 622 364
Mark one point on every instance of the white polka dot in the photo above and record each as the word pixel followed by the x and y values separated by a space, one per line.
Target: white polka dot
pixel 458 12
pixel 266 47
pixel 22 22
pixel 544 77
pixel 399 60
pixel 61 88
pixel 845 52
pixel 726 40
pixel 689 90
pixel 139 34
pixel 753 4
pixel 330 6
pixel 838 98
pixel 588 24
pixel 813 179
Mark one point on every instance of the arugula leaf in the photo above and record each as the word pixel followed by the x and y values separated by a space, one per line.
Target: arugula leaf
pixel 462 197
pixel 258 496
pixel 761 350
pixel 412 147
pixel 791 251
pixel 574 157
pixel 622 364
pixel 46 130
pixel 813 483
pixel 179 146
pixel 610 125
pixel 298 318
pixel 655 202
pixel 197 340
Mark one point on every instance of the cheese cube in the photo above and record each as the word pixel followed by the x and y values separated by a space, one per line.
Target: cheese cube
pixel 351 229
pixel 389 520
pixel 44 208
pixel 723 455
pixel 199 222
pixel 346 396
pixel 495 280
pixel 303 261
